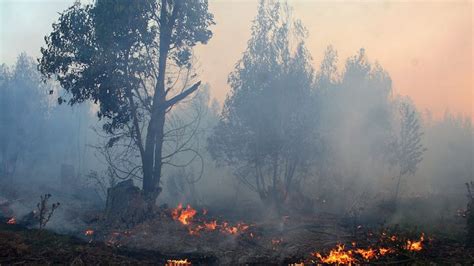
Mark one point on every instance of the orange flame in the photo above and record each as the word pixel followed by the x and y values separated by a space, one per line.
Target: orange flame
pixel 340 255
pixel 178 262
pixel 415 245
pixel 211 225
pixel 11 220
pixel 240 227
pixel 337 255
pixel 384 251
pixel 89 232
pixel 367 254
pixel 183 215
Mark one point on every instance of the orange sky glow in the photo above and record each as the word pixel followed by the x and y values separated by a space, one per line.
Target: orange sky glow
pixel 426 46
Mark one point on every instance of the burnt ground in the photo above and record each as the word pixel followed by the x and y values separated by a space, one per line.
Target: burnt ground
pixel 293 239
pixel 273 243
pixel 19 245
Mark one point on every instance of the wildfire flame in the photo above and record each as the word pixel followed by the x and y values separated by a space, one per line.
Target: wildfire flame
pixel 11 220
pixel 367 254
pixel 384 251
pixel 341 255
pixel 211 225
pixel 240 227
pixel 178 262
pixel 89 232
pixel 415 245
pixel 183 215
pixel 338 255
pixel 186 217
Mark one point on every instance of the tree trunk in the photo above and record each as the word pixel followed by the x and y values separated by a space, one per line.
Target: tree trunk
pixel 274 199
pixel 154 137
pixel 148 167
pixel 153 151
pixel 397 189
pixel 159 149
pixel 152 163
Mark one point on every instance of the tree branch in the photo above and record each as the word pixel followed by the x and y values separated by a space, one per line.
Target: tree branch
pixel 182 95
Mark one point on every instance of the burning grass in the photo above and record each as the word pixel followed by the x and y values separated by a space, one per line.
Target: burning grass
pixel 306 240
pixel 291 240
pixel 183 215
pixel 342 255
pixel 338 255
pixel 186 217
pixel 184 262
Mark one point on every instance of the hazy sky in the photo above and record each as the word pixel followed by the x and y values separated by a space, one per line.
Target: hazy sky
pixel 426 46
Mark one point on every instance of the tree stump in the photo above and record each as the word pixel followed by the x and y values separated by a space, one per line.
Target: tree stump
pixel 126 205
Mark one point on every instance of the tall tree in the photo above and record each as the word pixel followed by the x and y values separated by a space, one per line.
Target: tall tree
pixel 23 111
pixel 408 146
pixel 134 59
pixel 356 110
pixel 355 105
pixel 266 126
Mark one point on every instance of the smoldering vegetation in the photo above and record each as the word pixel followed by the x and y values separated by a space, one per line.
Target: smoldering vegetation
pixel 294 139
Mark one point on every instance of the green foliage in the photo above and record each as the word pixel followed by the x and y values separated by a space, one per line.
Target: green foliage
pixel 267 125
pixel 408 149
pixel 127 57
pixel 103 52
pixel 409 152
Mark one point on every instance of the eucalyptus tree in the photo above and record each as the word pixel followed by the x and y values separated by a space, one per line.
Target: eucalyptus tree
pixel 134 59
pixel 267 125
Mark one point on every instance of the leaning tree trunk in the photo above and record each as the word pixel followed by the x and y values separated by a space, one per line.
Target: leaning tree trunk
pixel 395 197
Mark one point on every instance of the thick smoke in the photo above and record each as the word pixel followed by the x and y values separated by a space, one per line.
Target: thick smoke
pixel 355 128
